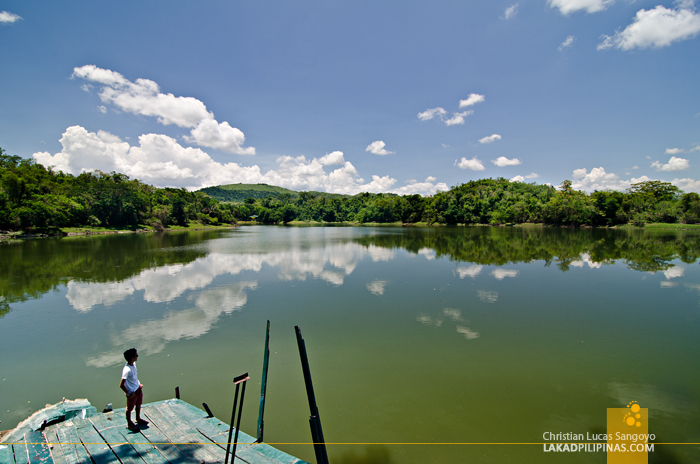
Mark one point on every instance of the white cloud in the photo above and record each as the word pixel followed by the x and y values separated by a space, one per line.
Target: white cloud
pixel 569 41
pixel 518 179
pixel 570 6
pixel 657 27
pixel 511 11
pixel 668 284
pixel 377 287
pixel 598 179
pixel 7 17
pixel 102 109
pixel 160 160
pixel 503 161
pixel 332 158
pixel 429 186
pixel 474 164
pixel 454 314
pixel 377 148
pixel 687 184
pixel 585 258
pixel 431 113
pixel 471 271
pixel 674 164
pixel 143 97
pixel 490 139
pixel 674 151
pixel 673 272
pixel 487 296
pixel 457 118
pixel 501 274
pixel 532 175
pixel 695 148
pixel 472 99
pixel 467 332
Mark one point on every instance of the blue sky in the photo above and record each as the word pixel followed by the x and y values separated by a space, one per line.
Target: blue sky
pixel 406 97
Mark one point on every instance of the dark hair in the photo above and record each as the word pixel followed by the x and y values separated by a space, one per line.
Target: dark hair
pixel 130 353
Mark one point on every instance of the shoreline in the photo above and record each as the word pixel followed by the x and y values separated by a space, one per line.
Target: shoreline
pixel 7 236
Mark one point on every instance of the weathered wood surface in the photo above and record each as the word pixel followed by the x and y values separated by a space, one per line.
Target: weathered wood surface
pixel 178 433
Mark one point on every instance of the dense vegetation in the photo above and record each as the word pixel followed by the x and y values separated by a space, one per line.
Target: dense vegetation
pixel 32 196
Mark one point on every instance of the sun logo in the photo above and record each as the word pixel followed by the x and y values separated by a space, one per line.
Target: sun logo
pixel 631 418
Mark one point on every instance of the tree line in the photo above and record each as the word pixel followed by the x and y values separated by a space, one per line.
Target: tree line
pixel 32 196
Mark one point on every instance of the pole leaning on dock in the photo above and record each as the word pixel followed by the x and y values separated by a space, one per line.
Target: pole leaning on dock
pixel 314 419
pixel 241 379
pixel 263 388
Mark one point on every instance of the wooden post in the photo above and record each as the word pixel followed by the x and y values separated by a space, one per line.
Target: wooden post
pixel 314 419
pixel 237 381
pixel 263 388
pixel 177 392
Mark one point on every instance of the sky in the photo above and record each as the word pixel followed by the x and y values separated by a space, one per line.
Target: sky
pixel 346 97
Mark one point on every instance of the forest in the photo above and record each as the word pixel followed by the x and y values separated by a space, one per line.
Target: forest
pixel 33 197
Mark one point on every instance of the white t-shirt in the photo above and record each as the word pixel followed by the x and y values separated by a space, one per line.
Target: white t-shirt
pixel 129 374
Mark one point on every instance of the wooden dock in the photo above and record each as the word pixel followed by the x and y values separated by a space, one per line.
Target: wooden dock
pixel 177 433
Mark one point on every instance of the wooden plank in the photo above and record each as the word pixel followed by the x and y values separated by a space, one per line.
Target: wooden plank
pixel 97 448
pixel 73 450
pixel 20 452
pixel 276 455
pixel 55 447
pixel 6 453
pixel 37 449
pixel 210 427
pixel 113 429
pixel 190 445
pixel 124 451
pixel 171 452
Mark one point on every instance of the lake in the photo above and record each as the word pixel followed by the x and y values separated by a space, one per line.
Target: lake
pixel 415 336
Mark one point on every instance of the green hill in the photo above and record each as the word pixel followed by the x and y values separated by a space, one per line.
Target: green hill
pixel 237 193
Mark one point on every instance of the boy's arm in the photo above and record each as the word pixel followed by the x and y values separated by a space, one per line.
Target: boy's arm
pixel 122 385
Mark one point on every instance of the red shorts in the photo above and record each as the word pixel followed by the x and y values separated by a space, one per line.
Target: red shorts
pixel 135 400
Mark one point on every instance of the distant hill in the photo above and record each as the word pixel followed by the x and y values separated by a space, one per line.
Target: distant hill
pixel 239 192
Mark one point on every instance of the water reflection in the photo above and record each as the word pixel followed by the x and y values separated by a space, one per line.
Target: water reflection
pixel 151 336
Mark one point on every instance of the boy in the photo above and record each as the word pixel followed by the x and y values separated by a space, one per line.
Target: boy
pixel 133 389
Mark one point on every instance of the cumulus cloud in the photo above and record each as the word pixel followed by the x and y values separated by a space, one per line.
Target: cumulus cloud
pixel 674 164
pixel 160 160
pixel 471 100
pixel 471 271
pixel 490 139
pixel 501 274
pixel 144 97
pixel 377 287
pixel 467 332
pixel 598 179
pixel 569 41
pixel 511 11
pixel 503 161
pixel 7 17
pixel 377 148
pixel 657 27
pixel 431 113
pixel 674 151
pixel 457 118
pixel 532 175
pixel 687 184
pixel 569 6
pixel 474 164
pixel 518 179
pixel 487 296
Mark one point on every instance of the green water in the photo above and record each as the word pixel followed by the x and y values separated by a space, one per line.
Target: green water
pixel 414 335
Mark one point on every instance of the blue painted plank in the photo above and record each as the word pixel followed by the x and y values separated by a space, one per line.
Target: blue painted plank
pixel 73 450
pixel 191 446
pixel 55 446
pixel 20 452
pixel 6 453
pixel 126 453
pixel 171 452
pixel 37 449
pixel 97 448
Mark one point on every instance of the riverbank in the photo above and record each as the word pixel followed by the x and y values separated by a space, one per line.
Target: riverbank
pixel 88 231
